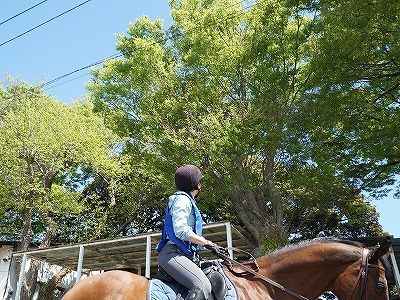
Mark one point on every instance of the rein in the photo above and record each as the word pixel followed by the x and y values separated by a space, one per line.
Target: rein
pixel 361 278
pixel 262 277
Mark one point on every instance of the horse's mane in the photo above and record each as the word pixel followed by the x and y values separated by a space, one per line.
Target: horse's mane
pixel 307 243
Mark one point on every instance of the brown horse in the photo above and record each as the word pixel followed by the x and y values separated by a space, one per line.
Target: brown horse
pixel 301 271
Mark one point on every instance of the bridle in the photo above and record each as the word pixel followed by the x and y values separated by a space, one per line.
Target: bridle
pixel 362 277
pixel 361 280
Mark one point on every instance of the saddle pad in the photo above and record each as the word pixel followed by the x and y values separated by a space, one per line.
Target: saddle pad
pixel 159 290
pixel 231 293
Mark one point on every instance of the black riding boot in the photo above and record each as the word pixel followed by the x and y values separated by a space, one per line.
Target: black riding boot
pixel 195 293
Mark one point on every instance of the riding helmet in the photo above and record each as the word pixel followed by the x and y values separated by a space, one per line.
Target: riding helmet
pixel 187 177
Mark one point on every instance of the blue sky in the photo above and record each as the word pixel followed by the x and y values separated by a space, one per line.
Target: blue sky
pixel 74 40
pixel 83 36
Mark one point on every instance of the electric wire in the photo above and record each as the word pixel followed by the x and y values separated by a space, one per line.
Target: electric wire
pixel 117 55
pixel 46 85
pixel 83 68
pixel 72 79
pixel 22 12
pixel 67 11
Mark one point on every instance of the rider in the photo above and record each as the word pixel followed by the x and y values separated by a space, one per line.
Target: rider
pixel 182 235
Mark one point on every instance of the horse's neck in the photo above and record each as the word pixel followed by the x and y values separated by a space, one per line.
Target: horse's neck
pixel 309 270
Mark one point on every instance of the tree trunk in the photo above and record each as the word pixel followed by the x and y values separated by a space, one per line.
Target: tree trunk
pixel 47 290
pixel 250 206
pixel 30 277
pixel 29 282
pixel 263 223
pixel 273 195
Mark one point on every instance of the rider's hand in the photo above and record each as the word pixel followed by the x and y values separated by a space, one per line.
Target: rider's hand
pixel 213 247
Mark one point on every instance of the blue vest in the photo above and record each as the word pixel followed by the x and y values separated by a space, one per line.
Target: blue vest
pixel 168 231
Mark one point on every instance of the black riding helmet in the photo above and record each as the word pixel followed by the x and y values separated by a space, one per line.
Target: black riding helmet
pixel 187 177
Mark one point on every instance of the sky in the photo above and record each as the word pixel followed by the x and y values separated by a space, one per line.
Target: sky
pixel 54 38
pixel 84 34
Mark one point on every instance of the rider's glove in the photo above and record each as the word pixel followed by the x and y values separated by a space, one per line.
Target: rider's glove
pixel 213 247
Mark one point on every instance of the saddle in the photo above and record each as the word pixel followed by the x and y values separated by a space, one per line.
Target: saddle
pixel 214 272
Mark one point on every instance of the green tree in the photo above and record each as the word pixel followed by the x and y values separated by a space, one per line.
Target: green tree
pixel 224 88
pixel 355 90
pixel 43 141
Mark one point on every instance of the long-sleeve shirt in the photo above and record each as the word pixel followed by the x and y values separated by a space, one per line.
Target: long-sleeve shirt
pixel 183 217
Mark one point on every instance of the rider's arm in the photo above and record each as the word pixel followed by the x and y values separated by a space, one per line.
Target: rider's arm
pixel 183 219
pixel 182 216
pixel 199 240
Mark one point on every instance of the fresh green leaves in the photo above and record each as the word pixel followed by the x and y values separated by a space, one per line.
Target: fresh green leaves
pixel 45 144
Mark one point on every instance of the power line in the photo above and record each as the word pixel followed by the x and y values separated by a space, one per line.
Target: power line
pixel 117 55
pixel 83 68
pixel 44 23
pixel 22 12
pixel 83 75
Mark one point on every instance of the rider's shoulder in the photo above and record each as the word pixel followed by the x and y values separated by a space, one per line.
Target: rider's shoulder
pixel 179 199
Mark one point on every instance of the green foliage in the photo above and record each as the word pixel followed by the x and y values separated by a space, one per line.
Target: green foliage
pixel 354 91
pixel 290 108
pixel 274 241
pixel 260 96
pixel 46 147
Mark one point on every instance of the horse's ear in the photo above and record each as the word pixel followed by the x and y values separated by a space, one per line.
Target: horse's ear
pixel 378 253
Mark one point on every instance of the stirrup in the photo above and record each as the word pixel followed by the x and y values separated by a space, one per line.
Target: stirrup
pixel 195 293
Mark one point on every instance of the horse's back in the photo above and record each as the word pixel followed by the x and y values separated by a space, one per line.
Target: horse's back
pixel 111 285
